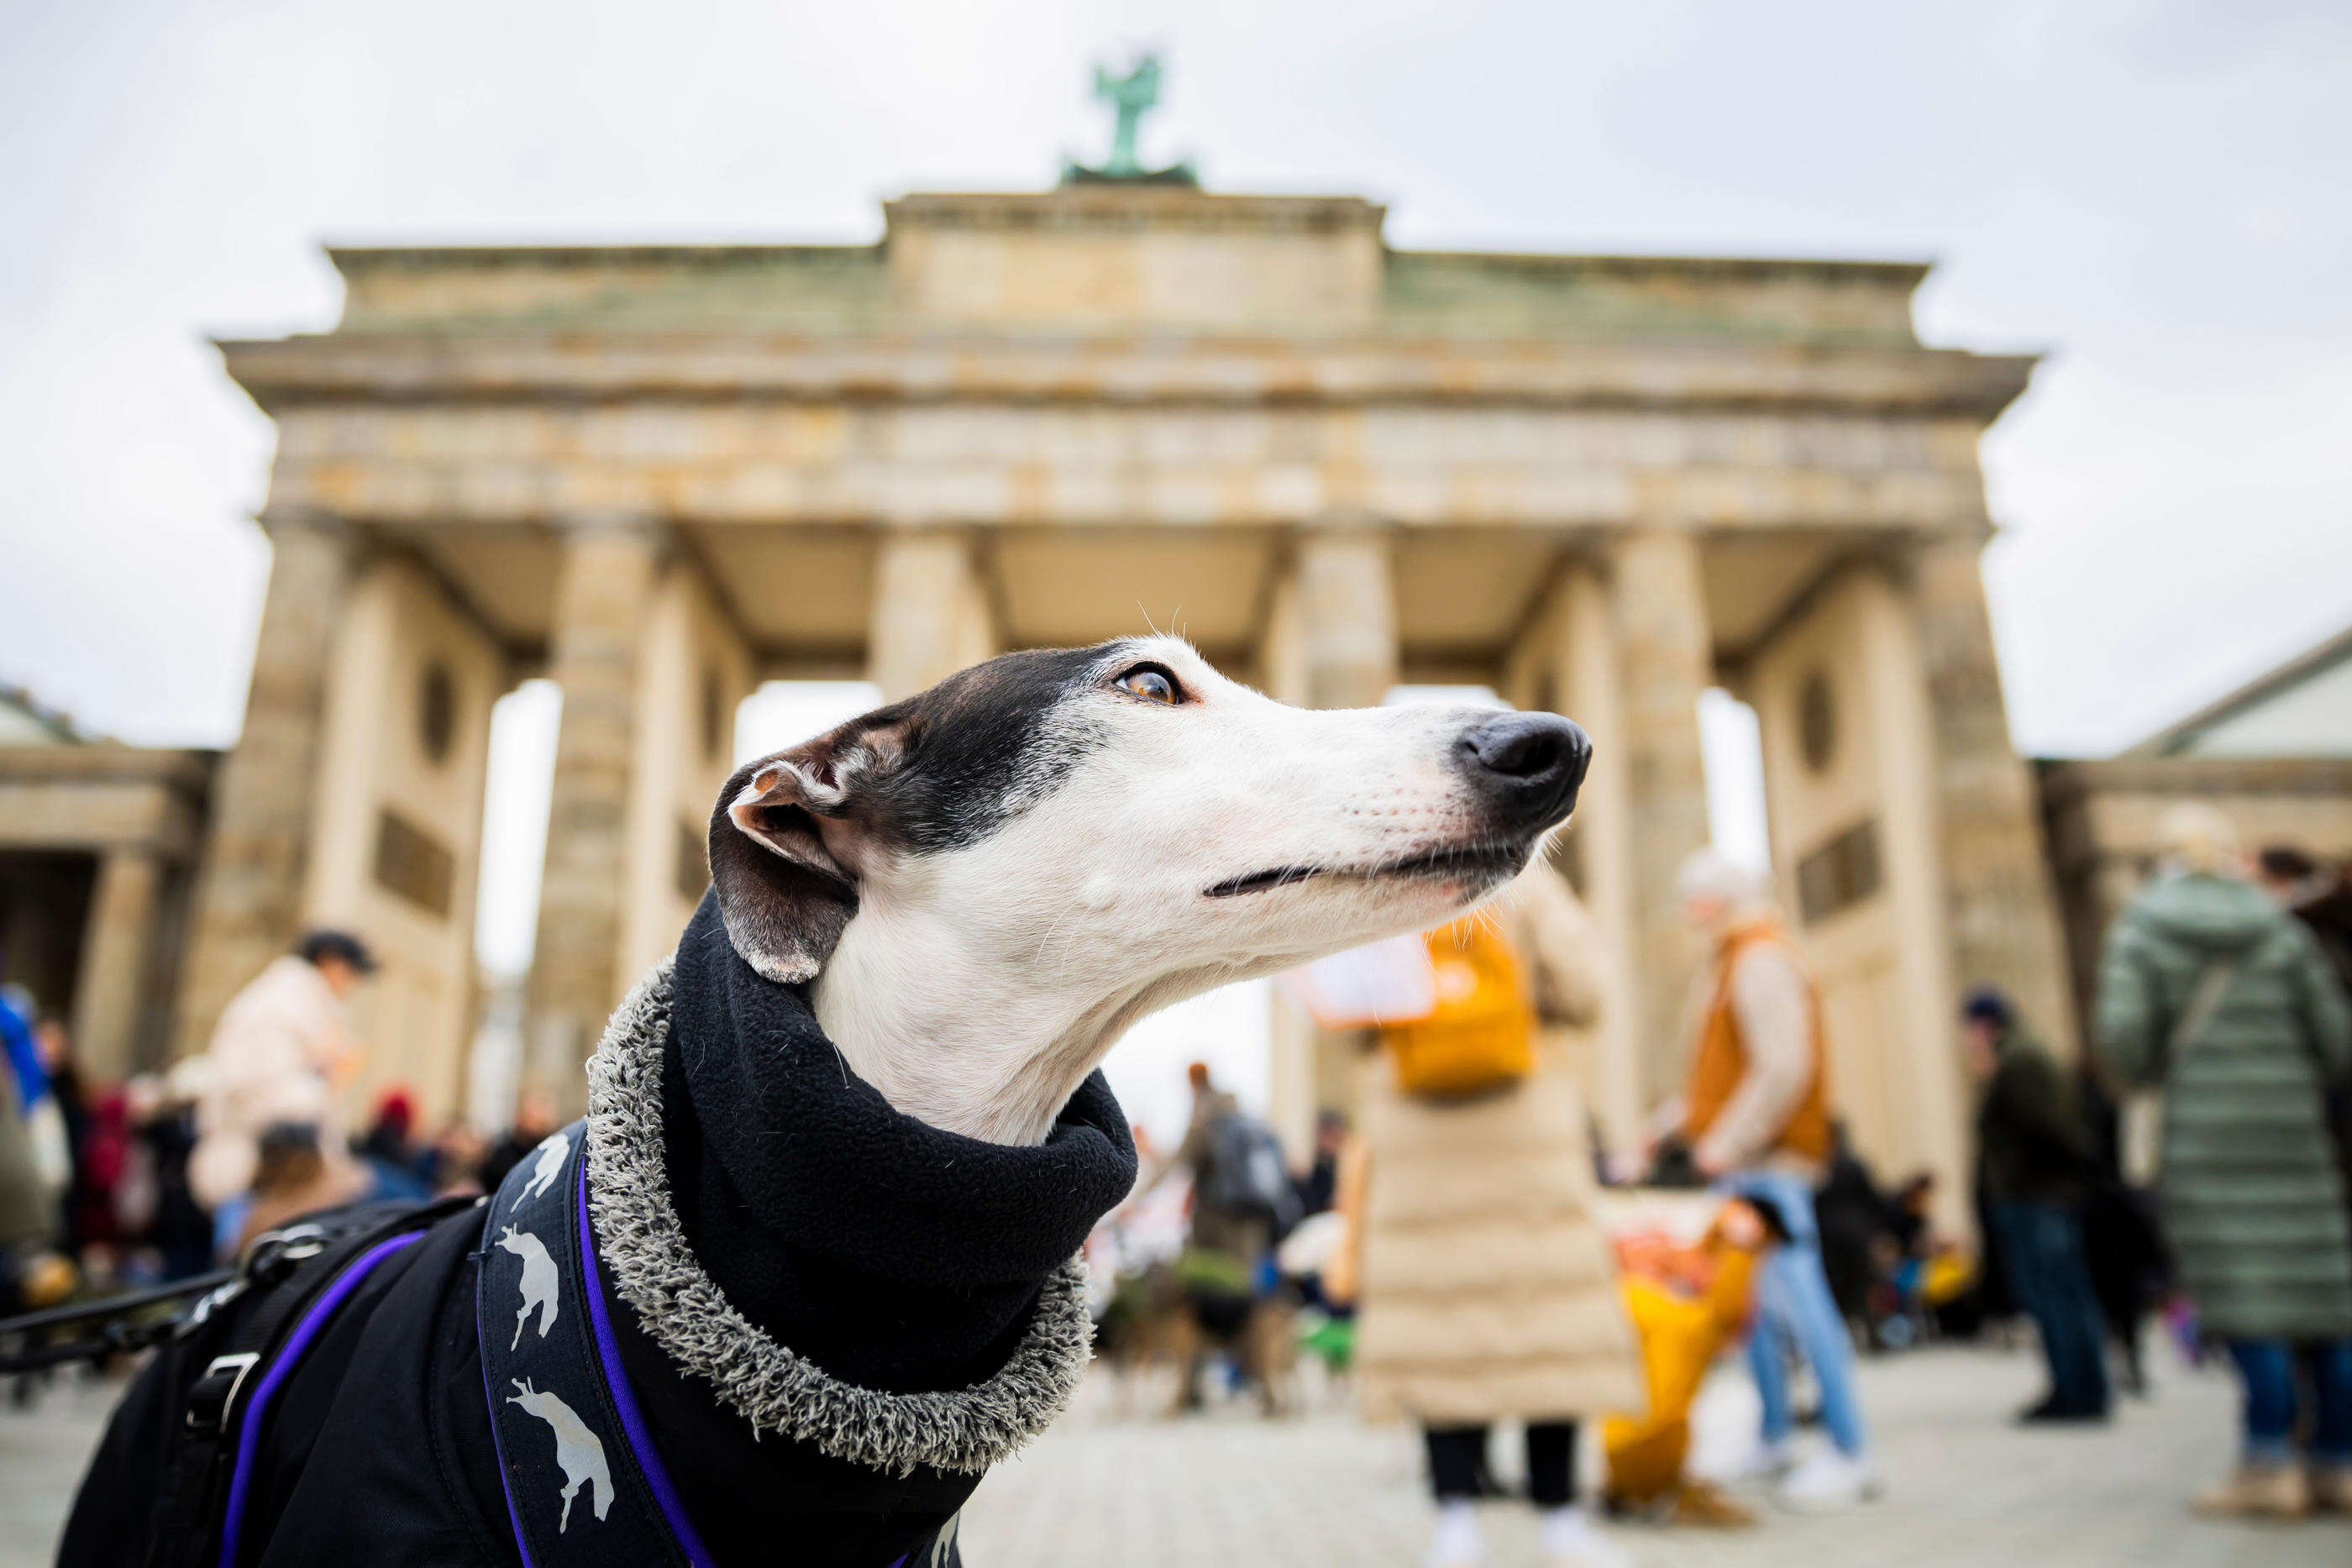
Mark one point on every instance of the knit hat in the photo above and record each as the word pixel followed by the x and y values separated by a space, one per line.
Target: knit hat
pixel 317 946
pixel 1990 1004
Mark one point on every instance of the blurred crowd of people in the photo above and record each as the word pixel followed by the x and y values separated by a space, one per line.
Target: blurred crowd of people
pixel 1465 1253
pixel 93 1177
pixel 167 1175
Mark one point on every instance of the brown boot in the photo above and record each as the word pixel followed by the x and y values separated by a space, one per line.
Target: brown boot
pixel 1699 1502
pixel 2331 1488
pixel 2259 1491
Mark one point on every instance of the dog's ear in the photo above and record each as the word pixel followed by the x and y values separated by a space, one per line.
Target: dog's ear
pixel 784 891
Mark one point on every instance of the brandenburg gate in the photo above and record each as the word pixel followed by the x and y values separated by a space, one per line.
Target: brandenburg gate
pixel 662 474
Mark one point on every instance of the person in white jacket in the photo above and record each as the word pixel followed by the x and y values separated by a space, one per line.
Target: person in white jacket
pixel 281 1052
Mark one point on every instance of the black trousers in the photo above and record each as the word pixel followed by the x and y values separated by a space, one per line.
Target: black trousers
pixel 1458 1462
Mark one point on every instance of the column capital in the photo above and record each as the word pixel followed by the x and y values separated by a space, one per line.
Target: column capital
pixel 279 519
pixel 613 523
pixel 916 530
pixel 1915 549
pixel 1975 532
pixel 1641 526
pixel 1348 522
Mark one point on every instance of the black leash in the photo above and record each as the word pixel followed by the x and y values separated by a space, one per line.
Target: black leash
pixel 124 1325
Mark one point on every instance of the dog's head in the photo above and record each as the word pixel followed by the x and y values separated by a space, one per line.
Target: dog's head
pixel 1123 823
pixel 1127 806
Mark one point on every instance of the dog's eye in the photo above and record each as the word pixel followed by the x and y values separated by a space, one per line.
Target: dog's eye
pixel 1152 683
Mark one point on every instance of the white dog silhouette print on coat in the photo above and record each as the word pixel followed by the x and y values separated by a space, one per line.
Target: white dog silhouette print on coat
pixel 577 1449
pixel 552 1150
pixel 537 1280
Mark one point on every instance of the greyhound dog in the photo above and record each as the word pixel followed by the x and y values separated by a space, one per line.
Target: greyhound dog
pixel 989 883
pixel 842 1148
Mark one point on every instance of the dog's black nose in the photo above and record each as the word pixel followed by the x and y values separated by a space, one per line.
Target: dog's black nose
pixel 1526 766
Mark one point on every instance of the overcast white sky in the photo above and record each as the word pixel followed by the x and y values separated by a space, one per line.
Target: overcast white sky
pixel 2153 191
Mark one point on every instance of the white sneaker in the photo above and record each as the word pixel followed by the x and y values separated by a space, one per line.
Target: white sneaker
pixel 1826 1482
pixel 1570 1541
pixel 1765 1462
pixel 1455 1543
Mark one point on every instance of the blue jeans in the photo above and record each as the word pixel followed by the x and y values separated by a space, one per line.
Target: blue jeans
pixel 2266 1366
pixel 1794 1309
pixel 2041 1248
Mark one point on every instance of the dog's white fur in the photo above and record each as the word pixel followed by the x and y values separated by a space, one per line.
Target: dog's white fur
pixel 976 988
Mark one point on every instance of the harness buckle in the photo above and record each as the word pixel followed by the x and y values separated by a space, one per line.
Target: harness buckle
pixel 289 1244
pixel 208 1303
pixel 210 1401
pixel 273 1254
pixel 300 1241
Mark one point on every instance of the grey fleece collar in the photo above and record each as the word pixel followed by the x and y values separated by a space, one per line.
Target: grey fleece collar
pixel 644 1248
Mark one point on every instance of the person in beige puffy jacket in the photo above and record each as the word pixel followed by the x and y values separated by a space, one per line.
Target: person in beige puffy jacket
pixel 1487 1290
pixel 280 1053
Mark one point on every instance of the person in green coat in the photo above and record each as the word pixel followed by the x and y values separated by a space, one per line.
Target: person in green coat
pixel 2210 993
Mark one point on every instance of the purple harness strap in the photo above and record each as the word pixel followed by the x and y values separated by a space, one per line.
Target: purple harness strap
pixel 506 1486
pixel 282 1367
pixel 624 1399
pixel 666 1532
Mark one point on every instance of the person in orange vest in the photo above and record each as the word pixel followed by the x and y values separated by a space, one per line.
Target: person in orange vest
pixel 1755 1113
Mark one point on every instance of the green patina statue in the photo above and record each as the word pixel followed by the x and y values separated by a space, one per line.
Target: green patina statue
pixel 1129 97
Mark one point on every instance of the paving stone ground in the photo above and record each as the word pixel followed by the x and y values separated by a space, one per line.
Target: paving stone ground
pixel 43 1446
pixel 1964 1489
pixel 1226 1490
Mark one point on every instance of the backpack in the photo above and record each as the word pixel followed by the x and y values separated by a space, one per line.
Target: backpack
pixel 1246 1175
pixel 1481 1036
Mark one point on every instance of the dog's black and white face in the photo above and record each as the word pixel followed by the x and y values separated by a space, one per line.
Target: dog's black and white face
pixel 991 881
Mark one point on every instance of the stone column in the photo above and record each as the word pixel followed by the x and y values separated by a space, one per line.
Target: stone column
pixel 604 590
pixel 248 903
pixel 118 934
pixel 1664 659
pixel 1999 902
pixel 1841 700
pixel 1330 641
pixel 397 821
pixel 930 615
pixel 693 669
pixel 1590 688
pixel 1565 659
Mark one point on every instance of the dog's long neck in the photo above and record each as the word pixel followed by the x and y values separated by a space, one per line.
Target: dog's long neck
pixel 890 1252
pixel 957 1039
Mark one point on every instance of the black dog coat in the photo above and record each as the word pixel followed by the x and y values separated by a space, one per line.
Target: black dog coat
pixel 832 1318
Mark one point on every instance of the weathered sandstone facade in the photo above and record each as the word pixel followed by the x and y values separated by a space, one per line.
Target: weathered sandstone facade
pixel 1601 484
